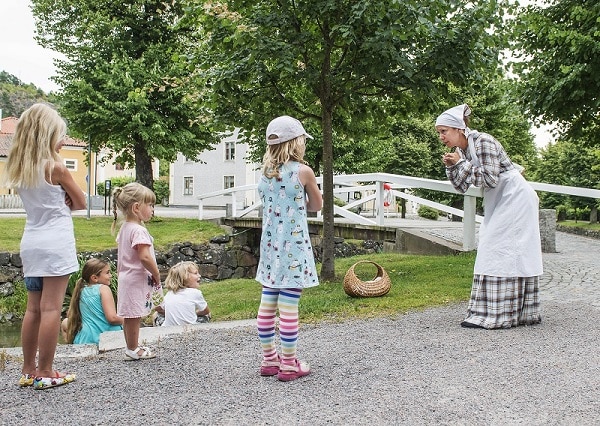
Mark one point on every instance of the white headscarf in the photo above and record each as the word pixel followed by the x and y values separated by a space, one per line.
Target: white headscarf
pixel 454 117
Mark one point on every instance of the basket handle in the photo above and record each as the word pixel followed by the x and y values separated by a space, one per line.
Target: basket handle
pixel 380 270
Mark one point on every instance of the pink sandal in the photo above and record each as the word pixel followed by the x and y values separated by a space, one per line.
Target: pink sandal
pixel 292 372
pixel 269 368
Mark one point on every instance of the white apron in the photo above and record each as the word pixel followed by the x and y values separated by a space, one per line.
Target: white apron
pixel 509 238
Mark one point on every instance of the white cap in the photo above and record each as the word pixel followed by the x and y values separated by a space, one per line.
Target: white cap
pixel 284 128
pixel 454 117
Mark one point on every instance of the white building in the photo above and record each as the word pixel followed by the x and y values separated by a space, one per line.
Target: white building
pixel 225 166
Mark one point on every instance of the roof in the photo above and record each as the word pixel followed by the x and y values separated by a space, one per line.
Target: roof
pixel 8 125
pixel 8 130
pixel 5 143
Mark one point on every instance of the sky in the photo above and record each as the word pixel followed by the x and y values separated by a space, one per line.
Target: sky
pixel 31 63
pixel 21 55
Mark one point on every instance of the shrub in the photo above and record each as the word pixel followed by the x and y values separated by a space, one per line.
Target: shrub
pixel 561 213
pixel 114 182
pixel 428 213
pixel 339 202
pixel 16 303
pixel 161 189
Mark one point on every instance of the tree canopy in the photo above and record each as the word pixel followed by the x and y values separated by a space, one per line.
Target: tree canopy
pixel 323 61
pixel 124 87
pixel 557 47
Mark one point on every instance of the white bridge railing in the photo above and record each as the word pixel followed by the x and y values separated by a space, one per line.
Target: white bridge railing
pixel 371 188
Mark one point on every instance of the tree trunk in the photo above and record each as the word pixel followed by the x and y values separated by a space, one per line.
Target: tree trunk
pixel 143 165
pixel 327 108
pixel 328 261
pixel 594 214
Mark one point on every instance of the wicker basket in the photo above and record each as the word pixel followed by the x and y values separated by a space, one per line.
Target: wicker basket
pixel 378 286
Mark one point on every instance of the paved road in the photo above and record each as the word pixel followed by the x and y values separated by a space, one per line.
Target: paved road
pixel 572 273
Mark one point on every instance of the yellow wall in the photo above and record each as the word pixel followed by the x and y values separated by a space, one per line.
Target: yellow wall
pixel 3 190
pixel 78 155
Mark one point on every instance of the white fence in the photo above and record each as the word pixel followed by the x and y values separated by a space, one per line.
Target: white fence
pixel 10 202
pixel 371 185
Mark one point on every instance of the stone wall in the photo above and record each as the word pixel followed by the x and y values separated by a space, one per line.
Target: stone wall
pixel 222 258
pixel 579 231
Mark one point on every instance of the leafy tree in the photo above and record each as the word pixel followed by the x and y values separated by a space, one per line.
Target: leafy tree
pixel 570 163
pixel 551 171
pixel 16 97
pixel 6 77
pixel 325 61
pixel 124 88
pixel 558 46
pixel 417 149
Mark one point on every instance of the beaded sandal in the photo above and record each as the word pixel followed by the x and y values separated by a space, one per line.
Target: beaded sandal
pixel 26 380
pixel 52 382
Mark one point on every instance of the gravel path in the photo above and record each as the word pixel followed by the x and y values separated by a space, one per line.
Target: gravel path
pixel 420 368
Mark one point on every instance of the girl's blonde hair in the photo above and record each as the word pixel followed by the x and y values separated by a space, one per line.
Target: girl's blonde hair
pixel 39 131
pixel 278 154
pixel 125 197
pixel 92 267
pixel 178 275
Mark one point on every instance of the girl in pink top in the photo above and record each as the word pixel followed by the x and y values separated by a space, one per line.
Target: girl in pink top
pixel 137 271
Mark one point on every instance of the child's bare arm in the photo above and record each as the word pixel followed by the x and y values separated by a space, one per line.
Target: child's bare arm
pixel 108 306
pixel 309 181
pixel 149 262
pixel 205 311
pixel 75 197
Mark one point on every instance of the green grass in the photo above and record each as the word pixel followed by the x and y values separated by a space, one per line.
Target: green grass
pixel 417 282
pixel 94 234
pixel 583 224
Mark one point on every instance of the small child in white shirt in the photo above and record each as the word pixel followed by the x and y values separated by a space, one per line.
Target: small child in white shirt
pixel 184 302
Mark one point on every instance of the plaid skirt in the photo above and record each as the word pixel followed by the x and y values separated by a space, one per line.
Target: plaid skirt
pixel 504 302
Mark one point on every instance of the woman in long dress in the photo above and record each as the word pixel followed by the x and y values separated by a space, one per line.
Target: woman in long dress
pixel 505 290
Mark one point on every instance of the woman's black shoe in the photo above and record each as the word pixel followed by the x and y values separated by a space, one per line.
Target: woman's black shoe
pixel 470 325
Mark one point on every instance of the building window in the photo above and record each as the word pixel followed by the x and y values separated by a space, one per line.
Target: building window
pixel 71 165
pixel 188 185
pixel 228 182
pixel 229 151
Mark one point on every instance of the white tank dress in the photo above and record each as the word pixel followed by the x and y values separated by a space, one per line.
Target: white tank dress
pixel 48 242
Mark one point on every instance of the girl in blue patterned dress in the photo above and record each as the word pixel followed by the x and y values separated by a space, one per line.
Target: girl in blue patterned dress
pixel 288 189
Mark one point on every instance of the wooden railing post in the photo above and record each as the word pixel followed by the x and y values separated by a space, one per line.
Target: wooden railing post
pixel 469 223
pixel 380 212
pixel 200 209
pixel 233 204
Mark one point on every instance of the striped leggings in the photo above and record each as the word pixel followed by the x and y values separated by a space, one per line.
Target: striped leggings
pixel 286 300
